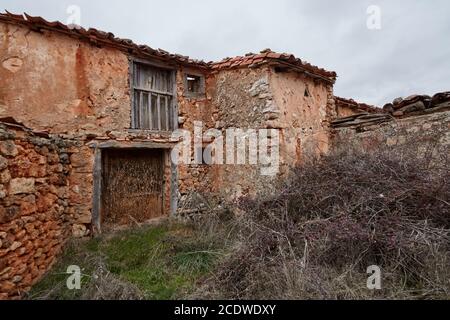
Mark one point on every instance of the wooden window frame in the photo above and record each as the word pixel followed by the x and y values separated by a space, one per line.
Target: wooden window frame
pixel 168 95
pixel 202 87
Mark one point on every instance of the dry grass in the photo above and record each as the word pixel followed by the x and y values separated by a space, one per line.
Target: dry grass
pixel 335 218
pixel 314 240
pixel 156 262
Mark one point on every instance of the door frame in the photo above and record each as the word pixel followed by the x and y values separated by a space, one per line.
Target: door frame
pixel 99 151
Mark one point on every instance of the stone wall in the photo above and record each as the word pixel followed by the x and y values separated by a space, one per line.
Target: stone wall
pixel 40 200
pixel 419 131
pixel 299 107
pixel 81 90
pixel 193 178
pixel 241 99
pixel 71 87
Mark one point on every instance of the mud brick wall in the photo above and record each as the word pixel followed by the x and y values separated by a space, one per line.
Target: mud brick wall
pixel 37 208
pixel 420 131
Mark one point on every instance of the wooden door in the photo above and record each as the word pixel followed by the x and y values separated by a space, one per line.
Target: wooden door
pixel 133 184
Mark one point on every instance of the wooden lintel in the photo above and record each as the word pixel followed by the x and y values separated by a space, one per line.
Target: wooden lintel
pixel 132 145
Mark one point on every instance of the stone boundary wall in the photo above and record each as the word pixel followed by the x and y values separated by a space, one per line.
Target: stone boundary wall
pixel 429 129
pixel 35 212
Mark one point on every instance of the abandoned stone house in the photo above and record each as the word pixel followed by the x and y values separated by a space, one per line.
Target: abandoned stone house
pixel 86 122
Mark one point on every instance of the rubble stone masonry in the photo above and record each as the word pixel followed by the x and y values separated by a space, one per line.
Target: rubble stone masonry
pixel 265 98
pixel 41 204
pixel 422 131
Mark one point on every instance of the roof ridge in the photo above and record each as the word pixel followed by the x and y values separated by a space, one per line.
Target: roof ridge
pixel 95 35
pixel 268 55
pixel 108 38
pixel 360 105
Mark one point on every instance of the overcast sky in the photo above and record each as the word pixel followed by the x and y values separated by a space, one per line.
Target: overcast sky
pixel 409 54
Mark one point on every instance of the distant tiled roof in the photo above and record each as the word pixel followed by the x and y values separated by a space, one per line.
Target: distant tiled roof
pixel 99 37
pixel 352 104
pixel 268 56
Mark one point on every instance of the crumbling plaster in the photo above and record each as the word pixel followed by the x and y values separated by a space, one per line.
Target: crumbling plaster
pixel 305 110
pixel 62 85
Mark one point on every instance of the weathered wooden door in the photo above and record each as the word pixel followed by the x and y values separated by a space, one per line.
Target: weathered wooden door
pixel 132 188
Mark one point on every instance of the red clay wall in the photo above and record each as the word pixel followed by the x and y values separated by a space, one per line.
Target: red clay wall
pixel 52 82
pixel 38 205
pixel 239 98
pixel 307 108
pixel 70 87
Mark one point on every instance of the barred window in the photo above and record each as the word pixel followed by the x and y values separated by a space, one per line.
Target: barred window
pixel 154 98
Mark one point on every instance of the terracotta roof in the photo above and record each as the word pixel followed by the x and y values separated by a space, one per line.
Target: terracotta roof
pixel 99 37
pixel 350 103
pixel 268 56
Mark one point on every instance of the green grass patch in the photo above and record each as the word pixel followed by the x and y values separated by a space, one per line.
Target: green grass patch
pixel 164 262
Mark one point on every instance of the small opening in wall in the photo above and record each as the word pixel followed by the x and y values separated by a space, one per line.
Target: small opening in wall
pixel 307 93
pixel 194 83
pixel 281 69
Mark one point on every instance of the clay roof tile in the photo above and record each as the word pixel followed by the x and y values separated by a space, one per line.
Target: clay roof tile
pixel 274 55
pixel 252 59
pixel 106 38
pixel 258 59
pixel 15 16
pixel 351 103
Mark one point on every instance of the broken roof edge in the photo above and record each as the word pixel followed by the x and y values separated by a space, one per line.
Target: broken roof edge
pixel 350 103
pixel 12 123
pixel 267 56
pixel 97 37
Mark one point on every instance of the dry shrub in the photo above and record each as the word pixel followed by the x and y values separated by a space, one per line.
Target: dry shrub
pixel 336 217
pixel 105 285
